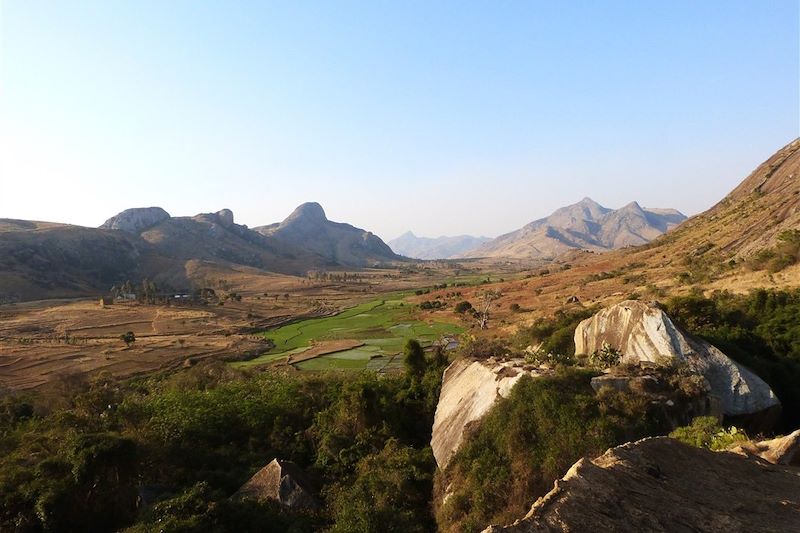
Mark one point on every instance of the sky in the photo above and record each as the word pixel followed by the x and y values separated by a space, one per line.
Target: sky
pixel 439 117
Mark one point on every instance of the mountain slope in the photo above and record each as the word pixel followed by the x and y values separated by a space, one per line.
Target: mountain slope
pixel 410 245
pixel 49 260
pixel 42 259
pixel 338 243
pixel 586 225
pixel 715 250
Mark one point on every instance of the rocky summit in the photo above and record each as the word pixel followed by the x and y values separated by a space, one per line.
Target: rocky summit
pixel 136 220
pixel 337 242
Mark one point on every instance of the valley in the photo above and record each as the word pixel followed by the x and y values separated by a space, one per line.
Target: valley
pixel 443 395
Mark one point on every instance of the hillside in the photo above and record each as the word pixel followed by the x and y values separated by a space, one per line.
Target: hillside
pixel 42 259
pixel 410 245
pixel 338 243
pixel 50 260
pixel 737 245
pixel 585 226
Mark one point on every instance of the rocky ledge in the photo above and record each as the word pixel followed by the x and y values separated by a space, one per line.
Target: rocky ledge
pixel 662 485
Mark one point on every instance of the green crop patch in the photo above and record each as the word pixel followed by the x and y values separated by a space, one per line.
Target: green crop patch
pixel 383 325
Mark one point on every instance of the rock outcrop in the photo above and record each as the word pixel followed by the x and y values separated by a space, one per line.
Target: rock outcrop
pixel 469 389
pixel 282 481
pixel 778 451
pixel 136 220
pixel 644 333
pixel 662 485
pixel 225 217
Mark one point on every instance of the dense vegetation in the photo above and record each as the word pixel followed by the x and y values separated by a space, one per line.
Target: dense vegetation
pixel 166 452
pixel 760 330
pixel 188 441
pixel 531 438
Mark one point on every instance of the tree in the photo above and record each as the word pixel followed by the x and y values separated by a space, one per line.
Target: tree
pixel 463 307
pixel 128 338
pixel 482 315
pixel 414 358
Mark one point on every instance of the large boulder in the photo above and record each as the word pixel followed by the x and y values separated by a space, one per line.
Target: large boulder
pixel 644 333
pixel 660 484
pixel 281 481
pixel 136 220
pixel 469 389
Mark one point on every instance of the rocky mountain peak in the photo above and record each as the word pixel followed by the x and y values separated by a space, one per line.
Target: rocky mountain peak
pixel 136 220
pixel 225 217
pixel 309 212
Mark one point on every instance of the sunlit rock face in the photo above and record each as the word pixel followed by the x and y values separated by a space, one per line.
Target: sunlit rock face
pixel 644 333
pixel 469 389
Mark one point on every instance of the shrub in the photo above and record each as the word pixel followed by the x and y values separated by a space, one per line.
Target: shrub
pixel 606 357
pixel 525 442
pixel 706 432
pixel 555 335
pixel 463 307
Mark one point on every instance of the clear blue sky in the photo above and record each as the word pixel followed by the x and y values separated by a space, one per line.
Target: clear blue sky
pixel 440 117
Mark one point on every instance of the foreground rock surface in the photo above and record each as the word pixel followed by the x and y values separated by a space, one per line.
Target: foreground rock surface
pixel 662 485
pixel 282 481
pixel 644 333
pixel 779 451
pixel 469 389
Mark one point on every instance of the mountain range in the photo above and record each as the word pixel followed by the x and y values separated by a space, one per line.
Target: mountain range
pixel 45 260
pixel 410 245
pixel 585 225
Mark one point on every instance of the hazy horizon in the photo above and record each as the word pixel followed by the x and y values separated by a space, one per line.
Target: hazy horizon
pixel 442 119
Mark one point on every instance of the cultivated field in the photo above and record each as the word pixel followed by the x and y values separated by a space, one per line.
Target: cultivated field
pixel 368 335
pixel 317 323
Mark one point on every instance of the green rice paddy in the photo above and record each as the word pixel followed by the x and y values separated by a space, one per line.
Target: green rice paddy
pixel 383 326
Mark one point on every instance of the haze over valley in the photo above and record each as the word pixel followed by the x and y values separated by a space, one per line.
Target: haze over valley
pixel 205 324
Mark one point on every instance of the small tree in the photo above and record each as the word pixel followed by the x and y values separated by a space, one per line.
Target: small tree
pixel 482 315
pixel 128 338
pixel 463 307
pixel 414 358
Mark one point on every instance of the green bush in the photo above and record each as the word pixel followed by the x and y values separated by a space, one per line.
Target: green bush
pixel 463 307
pixel 606 357
pixel 555 335
pixel 706 432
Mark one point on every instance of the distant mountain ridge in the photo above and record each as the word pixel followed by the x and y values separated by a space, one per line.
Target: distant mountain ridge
pixel 415 247
pixel 585 225
pixel 44 260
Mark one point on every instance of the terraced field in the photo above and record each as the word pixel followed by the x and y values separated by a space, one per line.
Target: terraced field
pixel 383 326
